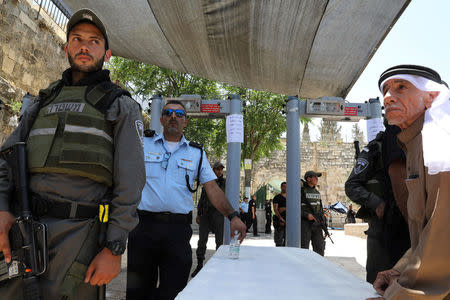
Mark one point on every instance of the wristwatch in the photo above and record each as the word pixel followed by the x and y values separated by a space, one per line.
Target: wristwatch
pixel 232 215
pixel 116 247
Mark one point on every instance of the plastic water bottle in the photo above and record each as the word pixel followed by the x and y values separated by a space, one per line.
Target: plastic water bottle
pixel 234 246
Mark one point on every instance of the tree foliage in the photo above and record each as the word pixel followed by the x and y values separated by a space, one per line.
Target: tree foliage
pixel 147 80
pixel 264 121
pixel 330 130
pixel 357 133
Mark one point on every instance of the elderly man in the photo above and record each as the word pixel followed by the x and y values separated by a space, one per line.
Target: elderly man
pixel 417 101
pixel 160 255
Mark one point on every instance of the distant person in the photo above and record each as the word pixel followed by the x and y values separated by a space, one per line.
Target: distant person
pixel 244 212
pixel 279 218
pixel 209 219
pixel 369 185
pixel 312 208
pixel 351 215
pixel 416 100
pixel 253 217
pixel 268 210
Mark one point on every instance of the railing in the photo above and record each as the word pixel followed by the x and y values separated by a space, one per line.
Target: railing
pixel 55 10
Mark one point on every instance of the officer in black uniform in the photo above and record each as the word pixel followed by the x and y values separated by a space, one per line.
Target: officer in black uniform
pixel 279 218
pixel 252 215
pixel 311 231
pixel 268 209
pixel 209 219
pixel 369 185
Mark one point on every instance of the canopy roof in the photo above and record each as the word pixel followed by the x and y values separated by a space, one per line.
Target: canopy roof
pixel 310 48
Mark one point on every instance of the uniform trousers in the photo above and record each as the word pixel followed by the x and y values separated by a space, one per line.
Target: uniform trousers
pixel 210 222
pixel 312 233
pixel 280 236
pixel 378 258
pixel 158 247
pixel 254 223
pixel 268 222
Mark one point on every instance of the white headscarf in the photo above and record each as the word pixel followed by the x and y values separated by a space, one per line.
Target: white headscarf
pixel 436 127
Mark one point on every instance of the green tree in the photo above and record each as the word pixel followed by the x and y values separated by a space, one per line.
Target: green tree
pixel 357 133
pixel 147 80
pixel 264 121
pixel 330 130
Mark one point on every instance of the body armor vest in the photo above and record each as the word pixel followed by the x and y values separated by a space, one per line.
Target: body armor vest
pixel 70 136
pixel 313 197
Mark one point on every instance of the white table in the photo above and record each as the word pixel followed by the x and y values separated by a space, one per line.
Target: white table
pixel 274 273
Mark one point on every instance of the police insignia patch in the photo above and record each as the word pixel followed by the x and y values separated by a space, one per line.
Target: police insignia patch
pixel 140 130
pixel 361 165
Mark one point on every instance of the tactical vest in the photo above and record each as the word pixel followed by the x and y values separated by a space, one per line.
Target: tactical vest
pixel 71 135
pixel 313 197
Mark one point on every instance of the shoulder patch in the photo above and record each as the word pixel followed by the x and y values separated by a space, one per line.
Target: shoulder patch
pixel 196 145
pixel 140 130
pixel 360 165
pixel 148 132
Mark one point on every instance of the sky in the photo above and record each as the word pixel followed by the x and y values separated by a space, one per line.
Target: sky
pixel 421 36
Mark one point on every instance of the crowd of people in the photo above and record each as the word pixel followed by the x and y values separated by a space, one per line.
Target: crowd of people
pixel 86 146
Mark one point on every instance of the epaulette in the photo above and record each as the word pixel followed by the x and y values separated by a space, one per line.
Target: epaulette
pixel 196 145
pixel 149 133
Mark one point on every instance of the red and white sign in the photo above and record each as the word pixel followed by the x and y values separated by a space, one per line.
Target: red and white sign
pixel 351 111
pixel 211 108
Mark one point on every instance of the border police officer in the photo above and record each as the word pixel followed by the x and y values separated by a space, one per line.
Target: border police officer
pixel 84 143
pixel 369 185
pixel 312 205
pixel 209 219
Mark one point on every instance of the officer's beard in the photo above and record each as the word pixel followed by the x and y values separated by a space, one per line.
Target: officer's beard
pixel 98 64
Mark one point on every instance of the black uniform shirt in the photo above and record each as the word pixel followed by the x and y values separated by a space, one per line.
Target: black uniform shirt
pixel 281 201
pixel 252 203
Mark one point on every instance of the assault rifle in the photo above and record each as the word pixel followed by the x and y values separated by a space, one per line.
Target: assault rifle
pixel 323 223
pixel 28 238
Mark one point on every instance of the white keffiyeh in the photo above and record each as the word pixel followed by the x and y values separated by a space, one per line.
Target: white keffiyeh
pixel 436 127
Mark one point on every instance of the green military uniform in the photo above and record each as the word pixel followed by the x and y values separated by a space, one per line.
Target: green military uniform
pixel 369 185
pixel 78 155
pixel 311 231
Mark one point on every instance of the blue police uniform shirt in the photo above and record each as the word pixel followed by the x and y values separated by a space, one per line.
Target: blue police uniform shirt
pixel 244 206
pixel 165 187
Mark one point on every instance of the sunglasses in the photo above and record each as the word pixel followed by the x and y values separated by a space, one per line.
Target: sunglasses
pixel 178 112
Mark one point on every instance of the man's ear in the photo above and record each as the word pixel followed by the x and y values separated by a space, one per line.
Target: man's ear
pixel 429 98
pixel 107 55
pixel 65 49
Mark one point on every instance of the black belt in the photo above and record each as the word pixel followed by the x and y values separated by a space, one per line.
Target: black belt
pixel 62 210
pixel 166 217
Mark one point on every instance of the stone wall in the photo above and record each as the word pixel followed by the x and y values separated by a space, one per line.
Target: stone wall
pixel 31 56
pixel 335 159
